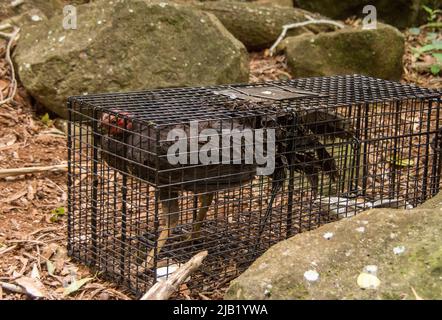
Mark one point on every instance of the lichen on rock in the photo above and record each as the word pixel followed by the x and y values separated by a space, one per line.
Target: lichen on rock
pixel 376 53
pixel 417 270
pixel 131 45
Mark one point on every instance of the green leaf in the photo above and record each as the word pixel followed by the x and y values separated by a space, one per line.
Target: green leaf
pixel 438 56
pixel 75 286
pixel 434 25
pixel 60 211
pixel 402 162
pixel 429 47
pixel 414 31
pixel 57 213
pixel 427 9
pixel 431 36
pixel 46 120
pixel 435 69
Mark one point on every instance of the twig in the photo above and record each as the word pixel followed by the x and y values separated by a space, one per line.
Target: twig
pixel 11 287
pixel 12 37
pixel 164 289
pixel 310 20
pixel 8 249
pixel 416 295
pixel 16 3
pixel 15 196
pixel 117 294
pixel 5 26
pixel 29 170
pixel 48 229
pixel 27 241
pixel 204 297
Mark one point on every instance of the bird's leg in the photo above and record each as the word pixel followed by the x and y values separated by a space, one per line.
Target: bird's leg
pixel 205 202
pixel 169 220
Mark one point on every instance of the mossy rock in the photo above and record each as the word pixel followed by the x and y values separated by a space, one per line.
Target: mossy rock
pixel 132 45
pixel 48 7
pixel 258 25
pixel 377 53
pixel 369 238
pixel 400 13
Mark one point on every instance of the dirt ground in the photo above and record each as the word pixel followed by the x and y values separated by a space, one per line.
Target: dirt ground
pixel 32 220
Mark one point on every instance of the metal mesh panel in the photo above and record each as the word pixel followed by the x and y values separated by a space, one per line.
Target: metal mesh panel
pixel 343 144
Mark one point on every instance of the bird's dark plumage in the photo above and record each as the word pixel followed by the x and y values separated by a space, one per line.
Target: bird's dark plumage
pixel 131 147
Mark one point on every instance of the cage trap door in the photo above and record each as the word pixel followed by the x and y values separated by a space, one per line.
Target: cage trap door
pixel 268 92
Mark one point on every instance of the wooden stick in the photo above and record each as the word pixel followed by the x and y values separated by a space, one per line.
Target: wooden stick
pixel 8 249
pixel 11 287
pixel 16 3
pixel 164 289
pixel 41 243
pixel 11 94
pixel 19 171
pixel 310 20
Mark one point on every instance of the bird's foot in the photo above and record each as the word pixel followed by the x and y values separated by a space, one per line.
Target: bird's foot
pixel 149 261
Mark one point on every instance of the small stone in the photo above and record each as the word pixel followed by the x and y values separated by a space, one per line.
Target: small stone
pixel 398 250
pixel 371 269
pixel 36 18
pixel 360 229
pixel 311 275
pixel 268 290
pixel 368 281
pixel 328 235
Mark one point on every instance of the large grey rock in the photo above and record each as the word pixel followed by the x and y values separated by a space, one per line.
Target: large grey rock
pixel 32 16
pixel 376 53
pixel 48 7
pixel 258 25
pixel 405 245
pixel 400 13
pixel 128 46
pixel 282 3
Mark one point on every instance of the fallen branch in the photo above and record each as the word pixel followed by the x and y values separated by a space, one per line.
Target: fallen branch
pixel 310 20
pixel 8 249
pixel 5 26
pixel 164 289
pixel 12 287
pixel 41 243
pixel 14 197
pixel 30 170
pixel 16 3
pixel 12 37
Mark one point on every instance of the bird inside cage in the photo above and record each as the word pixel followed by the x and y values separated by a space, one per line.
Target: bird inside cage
pixel 127 145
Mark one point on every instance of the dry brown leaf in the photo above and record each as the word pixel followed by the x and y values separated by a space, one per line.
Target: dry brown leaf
pixel 31 192
pixel 35 274
pixel 8 140
pixel 49 250
pixel 33 287
pixel 60 258
pixel 15 196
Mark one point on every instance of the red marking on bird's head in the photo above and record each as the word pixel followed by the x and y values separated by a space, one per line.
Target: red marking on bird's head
pixel 116 124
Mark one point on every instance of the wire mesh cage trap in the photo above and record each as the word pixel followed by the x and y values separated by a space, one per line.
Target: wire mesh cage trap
pixel 158 176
